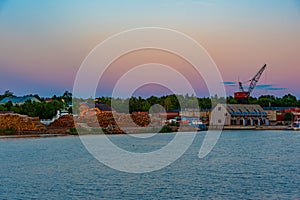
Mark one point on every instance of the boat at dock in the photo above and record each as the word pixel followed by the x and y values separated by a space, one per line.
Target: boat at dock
pixel 295 125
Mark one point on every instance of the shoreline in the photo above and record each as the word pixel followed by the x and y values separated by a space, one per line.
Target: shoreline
pixel 43 135
pixel 282 128
pixel 67 133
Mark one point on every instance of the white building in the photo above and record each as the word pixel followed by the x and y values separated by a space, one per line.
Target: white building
pixel 239 114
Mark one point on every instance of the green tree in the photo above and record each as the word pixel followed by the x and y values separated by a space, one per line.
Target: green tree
pixel 153 100
pixel 120 105
pixel 8 106
pixel 145 106
pixel 288 117
pixel 3 108
pixel 253 100
pixel 133 104
pixel 231 100
pixel 205 103
pixel 289 100
pixel 168 104
pixel 266 100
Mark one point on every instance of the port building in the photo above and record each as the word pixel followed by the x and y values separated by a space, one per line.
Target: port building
pixel 239 114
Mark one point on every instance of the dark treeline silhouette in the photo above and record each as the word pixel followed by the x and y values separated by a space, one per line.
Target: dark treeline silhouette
pixel 171 102
pixel 47 107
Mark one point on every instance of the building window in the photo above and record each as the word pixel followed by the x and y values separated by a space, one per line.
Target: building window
pixel 219 108
pixel 219 121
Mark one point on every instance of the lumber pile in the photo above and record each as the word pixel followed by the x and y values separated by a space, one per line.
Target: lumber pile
pixel 40 126
pixel 65 121
pixel 133 120
pixel 141 119
pixel 106 119
pixel 95 118
pixel 114 129
pixel 19 123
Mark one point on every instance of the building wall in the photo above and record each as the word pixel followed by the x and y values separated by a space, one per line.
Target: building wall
pixel 169 115
pixel 190 113
pixel 220 116
pixel 204 115
pixel 272 116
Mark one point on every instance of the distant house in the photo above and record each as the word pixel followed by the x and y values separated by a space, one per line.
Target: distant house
pixel 19 100
pixel 239 114
pixel 48 99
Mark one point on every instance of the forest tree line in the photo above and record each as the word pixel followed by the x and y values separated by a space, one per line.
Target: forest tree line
pixel 43 109
pixel 47 109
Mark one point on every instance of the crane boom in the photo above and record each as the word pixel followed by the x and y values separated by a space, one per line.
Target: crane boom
pixel 255 79
pixel 243 96
pixel 241 86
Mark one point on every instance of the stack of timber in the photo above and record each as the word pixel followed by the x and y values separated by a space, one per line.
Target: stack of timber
pixel 95 119
pixel 133 120
pixel 20 123
pixel 65 121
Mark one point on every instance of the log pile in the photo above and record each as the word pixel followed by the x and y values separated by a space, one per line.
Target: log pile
pixel 141 120
pixel 19 123
pixel 133 120
pixel 38 124
pixel 65 121
pixel 111 121
pixel 105 119
pixel 93 118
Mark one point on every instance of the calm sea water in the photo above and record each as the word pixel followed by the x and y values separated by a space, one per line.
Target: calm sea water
pixel 243 165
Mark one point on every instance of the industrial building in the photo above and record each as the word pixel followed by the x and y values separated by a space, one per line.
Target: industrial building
pixel 280 114
pixel 276 115
pixel 239 114
pixel 170 114
pixel 195 113
pixel 19 100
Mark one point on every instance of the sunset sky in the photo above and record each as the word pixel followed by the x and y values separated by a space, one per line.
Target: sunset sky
pixel 43 43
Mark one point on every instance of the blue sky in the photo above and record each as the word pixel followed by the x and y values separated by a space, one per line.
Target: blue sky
pixel 44 42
